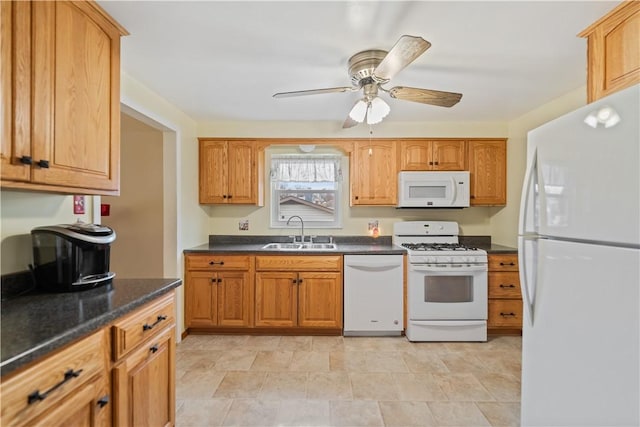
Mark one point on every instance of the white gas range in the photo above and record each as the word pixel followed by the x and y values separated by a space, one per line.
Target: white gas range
pixel 447 283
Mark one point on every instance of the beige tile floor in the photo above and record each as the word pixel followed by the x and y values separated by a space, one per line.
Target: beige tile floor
pixel 346 381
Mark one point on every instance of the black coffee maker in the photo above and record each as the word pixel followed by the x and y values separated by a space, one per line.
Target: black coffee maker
pixel 72 257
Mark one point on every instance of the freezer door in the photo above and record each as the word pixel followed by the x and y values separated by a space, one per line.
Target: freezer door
pixel 580 356
pixel 588 178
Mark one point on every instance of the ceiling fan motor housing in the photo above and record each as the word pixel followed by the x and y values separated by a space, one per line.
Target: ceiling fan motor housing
pixel 362 65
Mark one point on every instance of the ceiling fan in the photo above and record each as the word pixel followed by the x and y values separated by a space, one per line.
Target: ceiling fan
pixel 370 69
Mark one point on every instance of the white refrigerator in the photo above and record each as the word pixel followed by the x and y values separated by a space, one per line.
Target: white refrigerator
pixel 579 253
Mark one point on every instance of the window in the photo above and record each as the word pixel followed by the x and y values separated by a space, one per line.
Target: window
pixel 307 186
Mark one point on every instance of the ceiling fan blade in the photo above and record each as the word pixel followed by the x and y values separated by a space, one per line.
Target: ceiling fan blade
pixel 315 91
pixel 425 96
pixel 403 53
pixel 349 123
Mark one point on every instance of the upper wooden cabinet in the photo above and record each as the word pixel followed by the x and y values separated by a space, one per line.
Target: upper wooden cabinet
pixel 61 116
pixel 436 155
pixel 613 51
pixel 374 173
pixel 228 172
pixel 488 172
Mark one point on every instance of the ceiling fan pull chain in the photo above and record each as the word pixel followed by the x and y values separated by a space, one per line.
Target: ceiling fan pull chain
pixel 370 136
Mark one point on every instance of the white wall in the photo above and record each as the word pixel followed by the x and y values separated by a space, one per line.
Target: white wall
pixel 21 211
pixel 137 214
pixel 185 222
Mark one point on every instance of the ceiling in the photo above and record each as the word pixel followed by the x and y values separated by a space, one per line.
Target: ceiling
pixel 220 61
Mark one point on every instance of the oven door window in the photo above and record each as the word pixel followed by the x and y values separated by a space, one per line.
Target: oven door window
pixel 448 289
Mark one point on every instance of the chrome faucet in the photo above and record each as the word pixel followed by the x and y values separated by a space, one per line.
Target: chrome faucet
pixel 301 228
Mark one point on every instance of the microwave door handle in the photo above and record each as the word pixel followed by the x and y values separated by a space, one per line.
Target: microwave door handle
pixel 453 190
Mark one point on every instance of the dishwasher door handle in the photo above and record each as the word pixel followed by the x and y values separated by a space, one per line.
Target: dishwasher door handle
pixel 370 266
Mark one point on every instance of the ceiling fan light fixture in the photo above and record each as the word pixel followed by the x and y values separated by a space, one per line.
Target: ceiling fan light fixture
pixel 378 110
pixel 358 111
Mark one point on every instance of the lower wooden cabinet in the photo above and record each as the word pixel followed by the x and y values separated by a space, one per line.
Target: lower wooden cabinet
pixel 86 406
pixel 143 373
pixel 144 384
pixel 299 292
pixel 218 291
pixel 91 382
pixel 74 379
pixel 505 298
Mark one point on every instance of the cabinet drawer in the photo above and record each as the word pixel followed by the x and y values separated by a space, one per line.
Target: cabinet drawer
pixel 505 262
pixel 505 313
pixel 504 284
pixel 49 382
pixel 143 324
pixel 299 263
pixel 218 262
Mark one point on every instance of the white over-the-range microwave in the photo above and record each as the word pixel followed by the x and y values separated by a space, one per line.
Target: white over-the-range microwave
pixel 441 189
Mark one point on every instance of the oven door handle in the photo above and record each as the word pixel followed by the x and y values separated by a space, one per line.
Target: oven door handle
pixel 449 268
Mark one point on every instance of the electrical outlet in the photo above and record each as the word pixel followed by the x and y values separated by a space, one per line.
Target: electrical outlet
pixel 78 205
pixel 373 224
pixel 243 225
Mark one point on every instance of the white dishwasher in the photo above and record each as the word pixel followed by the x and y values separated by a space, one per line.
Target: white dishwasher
pixel 373 295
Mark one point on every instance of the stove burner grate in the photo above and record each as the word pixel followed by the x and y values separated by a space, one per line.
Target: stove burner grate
pixel 438 247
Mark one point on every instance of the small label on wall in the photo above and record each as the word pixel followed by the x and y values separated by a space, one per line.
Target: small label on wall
pixel 243 225
pixel 78 205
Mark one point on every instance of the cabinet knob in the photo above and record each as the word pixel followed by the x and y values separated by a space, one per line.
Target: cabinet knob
pixel 43 164
pixel 507 286
pixel 219 280
pixel 507 263
pixel 229 196
pixel 103 401
pixel 356 197
pixel 153 348
pixel 508 314
pixel 26 160
pixel 224 196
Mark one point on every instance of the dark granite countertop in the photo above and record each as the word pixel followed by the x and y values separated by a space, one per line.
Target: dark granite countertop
pixel 35 324
pixel 351 245
pixel 500 249
pixel 346 245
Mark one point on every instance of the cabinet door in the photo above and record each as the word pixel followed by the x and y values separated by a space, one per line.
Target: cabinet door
pixel 320 300
pixel 201 298
pixel 15 81
pixel 242 171
pixel 213 171
pixel 488 171
pixel 276 299
pixel 448 155
pixel 144 384
pixel 415 155
pixel 88 406
pixel 234 298
pixel 76 92
pixel 374 173
pixel 612 53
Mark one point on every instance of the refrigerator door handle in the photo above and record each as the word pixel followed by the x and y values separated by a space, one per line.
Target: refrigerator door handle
pixel 528 298
pixel 529 182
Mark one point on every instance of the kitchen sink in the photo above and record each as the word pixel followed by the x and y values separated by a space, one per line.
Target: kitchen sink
pixel 301 246
pixel 320 246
